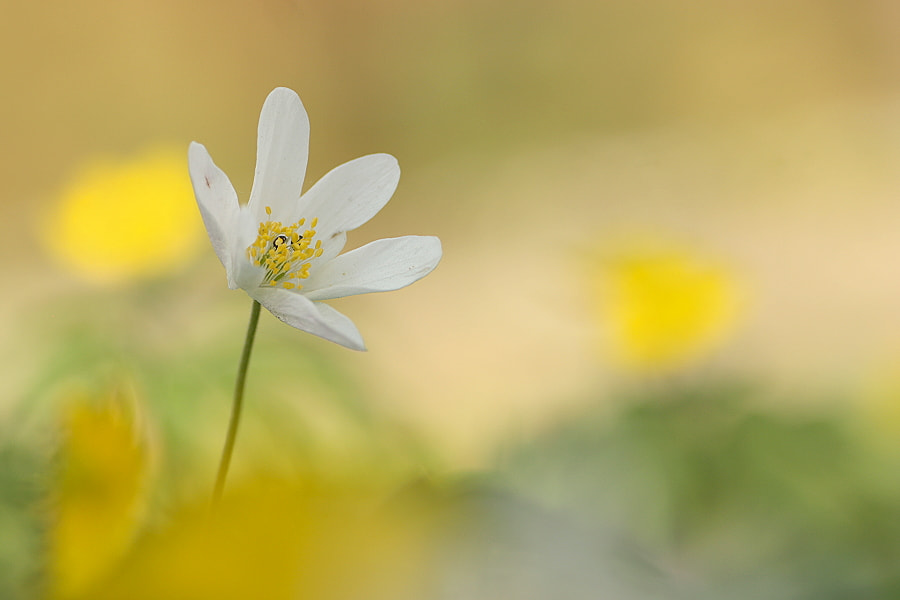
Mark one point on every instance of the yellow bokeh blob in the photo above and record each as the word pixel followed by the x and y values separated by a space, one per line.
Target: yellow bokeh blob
pixel 98 494
pixel 879 402
pixel 663 306
pixel 118 221
pixel 274 539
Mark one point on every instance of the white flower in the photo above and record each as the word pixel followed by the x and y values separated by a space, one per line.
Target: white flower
pixel 282 248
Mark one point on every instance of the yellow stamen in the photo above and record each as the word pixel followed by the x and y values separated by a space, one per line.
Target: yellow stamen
pixel 284 252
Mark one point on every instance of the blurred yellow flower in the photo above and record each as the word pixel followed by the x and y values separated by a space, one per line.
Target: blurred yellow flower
pixel 663 305
pixel 98 495
pixel 272 537
pixel 278 539
pixel 879 403
pixel 122 220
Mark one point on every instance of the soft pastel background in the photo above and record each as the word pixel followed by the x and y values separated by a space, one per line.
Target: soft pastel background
pixel 661 354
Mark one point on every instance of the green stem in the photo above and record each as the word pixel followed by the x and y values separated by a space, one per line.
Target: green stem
pixel 236 406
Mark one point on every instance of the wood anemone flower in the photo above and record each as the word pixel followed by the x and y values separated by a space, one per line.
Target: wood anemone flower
pixel 283 248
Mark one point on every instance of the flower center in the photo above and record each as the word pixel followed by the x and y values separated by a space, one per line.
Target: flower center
pixel 284 251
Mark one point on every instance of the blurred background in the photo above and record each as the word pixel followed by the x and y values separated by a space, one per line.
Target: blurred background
pixel 660 357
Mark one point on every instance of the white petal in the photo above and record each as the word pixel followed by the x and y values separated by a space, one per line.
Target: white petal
pixel 380 266
pixel 218 204
pixel 247 274
pixel 312 317
pixel 282 149
pixel 351 194
pixel 330 248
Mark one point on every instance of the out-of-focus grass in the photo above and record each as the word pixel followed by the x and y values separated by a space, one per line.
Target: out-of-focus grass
pixel 23 518
pixel 691 491
pixel 306 407
pixel 741 501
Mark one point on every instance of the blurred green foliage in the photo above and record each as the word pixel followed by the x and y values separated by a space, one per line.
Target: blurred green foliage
pixel 747 502
pixel 691 490
pixel 23 518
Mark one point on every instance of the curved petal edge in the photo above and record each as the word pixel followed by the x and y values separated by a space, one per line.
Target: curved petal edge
pixel 311 317
pixel 218 203
pixel 282 151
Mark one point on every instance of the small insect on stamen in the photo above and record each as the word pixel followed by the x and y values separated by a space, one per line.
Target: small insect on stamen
pixel 279 240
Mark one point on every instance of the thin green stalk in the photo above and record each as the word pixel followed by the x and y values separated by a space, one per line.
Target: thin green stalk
pixel 236 406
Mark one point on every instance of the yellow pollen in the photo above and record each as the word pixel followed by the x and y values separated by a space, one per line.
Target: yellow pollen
pixel 284 252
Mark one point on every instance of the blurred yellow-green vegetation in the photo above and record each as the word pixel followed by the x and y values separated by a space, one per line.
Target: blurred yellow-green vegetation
pixel 659 358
